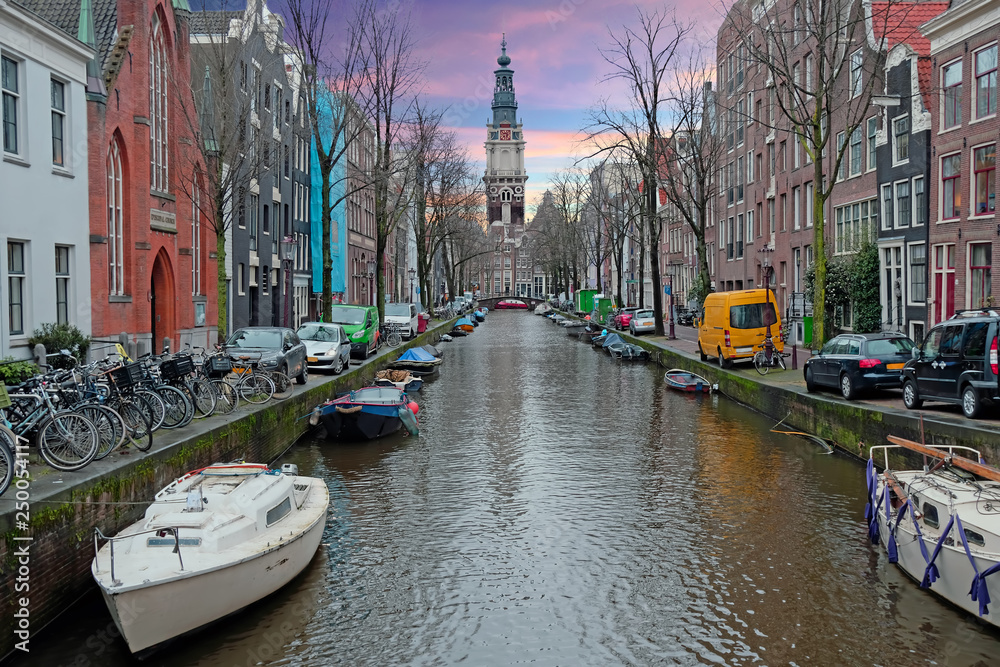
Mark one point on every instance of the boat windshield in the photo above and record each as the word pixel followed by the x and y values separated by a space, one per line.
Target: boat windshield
pixel 348 315
pixel 250 338
pixel 320 332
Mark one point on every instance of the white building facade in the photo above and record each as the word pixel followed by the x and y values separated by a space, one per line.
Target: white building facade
pixel 44 225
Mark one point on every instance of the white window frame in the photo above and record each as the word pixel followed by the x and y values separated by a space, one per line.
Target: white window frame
pixel 750 173
pixel 64 282
pixel 856 152
pixel 896 160
pixel 21 277
pixel 17 95
pixel 896 222
pixel 909 274
pixel 159 175
pixel 975 82
pixel 59 119
pixel 116 220
pixel 944 93
pixel 915 202
pixel 872 130
pixel 973 213
pixel 857 73
pixel 796 208
pixel 808 194
pixel 886 204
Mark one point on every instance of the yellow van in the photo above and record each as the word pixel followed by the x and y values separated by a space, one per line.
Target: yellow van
pixel 735 324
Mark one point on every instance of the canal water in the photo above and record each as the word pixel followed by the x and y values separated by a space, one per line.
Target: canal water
pixel 561 508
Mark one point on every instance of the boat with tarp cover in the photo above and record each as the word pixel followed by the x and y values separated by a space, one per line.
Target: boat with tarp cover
pixel 939 522
pixel 366 414
pixel 211 543
pixel 417 359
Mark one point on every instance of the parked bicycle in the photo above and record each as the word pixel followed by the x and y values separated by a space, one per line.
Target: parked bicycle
pixel 389 333
pixel 768 357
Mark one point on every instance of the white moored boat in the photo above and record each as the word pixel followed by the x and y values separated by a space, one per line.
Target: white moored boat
pixel 213 542
pixel 940 524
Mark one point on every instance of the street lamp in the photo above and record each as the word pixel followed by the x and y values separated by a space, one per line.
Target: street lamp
pixel 766 265
pixel 288 248
pixel 412 273
pixel 371 281
pixel 670 304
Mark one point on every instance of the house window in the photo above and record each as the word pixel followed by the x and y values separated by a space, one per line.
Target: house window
pixel 241 278
pixel 901 139
pixel 809 204
pixel 854 223
pixel 887 206
pixel 739 178
pixel 157 108
pixel 856 78
pixel 951 81
pixel 797 207
pixel 266 227
pixel 730 250
pixel 750 109
pixel 918 273
pixel 980 266
pixel 984 166
pixel 750 167
pixel 11 100
pixel 903 204
pixel 809 71
pixel 856 152
pixel 196 241
pixel 58 90
pixel 986 82
pixel 254 204
pixel 241 208
pixel 749 229
pixel 918 201
pixel 951 187
pixel 116 222
pixel 62 284
pixel 287 163
pixel 740 234
pixel 16 276
pixel 739 123
pixel 872 130
pixel 842 171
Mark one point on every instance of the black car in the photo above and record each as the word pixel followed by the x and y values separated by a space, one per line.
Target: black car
pixel 855 363
pixel 957 363
pixel 278 348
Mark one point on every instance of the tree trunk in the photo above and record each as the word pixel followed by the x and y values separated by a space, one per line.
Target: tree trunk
pixel 326 223
pixel 819 256
pixel 223 294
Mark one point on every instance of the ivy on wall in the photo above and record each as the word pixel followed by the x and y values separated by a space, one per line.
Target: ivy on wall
pixel 852 285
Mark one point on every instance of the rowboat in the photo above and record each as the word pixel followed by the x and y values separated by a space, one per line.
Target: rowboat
pixel 212 542
pixel 682 380
pixel 365 414
pixel 400 379
pixel 940 523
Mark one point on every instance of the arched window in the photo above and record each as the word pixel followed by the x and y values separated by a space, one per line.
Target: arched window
pixel 196 238
pixel 505 195
pixel 157 107
pixel 116 231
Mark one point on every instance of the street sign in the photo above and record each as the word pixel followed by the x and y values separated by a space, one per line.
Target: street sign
pixel 666 290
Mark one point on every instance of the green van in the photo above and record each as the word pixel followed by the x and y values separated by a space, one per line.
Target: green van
pixel 361 325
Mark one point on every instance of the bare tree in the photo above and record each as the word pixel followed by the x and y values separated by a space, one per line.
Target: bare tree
pixel 331 45
pixel 691 154
pixel 820 70
pixel 640 58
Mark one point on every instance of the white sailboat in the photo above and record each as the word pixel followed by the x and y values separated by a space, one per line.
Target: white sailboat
pixel 940 524
pixel 213 542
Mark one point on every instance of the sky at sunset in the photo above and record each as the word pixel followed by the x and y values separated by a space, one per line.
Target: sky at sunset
pixel 554 47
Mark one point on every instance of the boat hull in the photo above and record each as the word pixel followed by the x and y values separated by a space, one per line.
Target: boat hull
pixel 360 425
pixel 149 616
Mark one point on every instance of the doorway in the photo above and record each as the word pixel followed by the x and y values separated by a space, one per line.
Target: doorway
pixel 162 301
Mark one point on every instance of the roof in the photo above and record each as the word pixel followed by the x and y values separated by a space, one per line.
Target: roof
pixel 899 23
pixel 65 14
pixel 212 23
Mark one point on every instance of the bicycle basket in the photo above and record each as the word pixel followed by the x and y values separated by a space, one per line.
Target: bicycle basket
pixel 127 375
pixel 171 369
pixel 4 398
pixel 219 365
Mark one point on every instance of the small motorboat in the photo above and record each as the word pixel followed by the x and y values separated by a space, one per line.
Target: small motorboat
pixel 445 338
pixel 511 304
pixel 417 359
pixel 612 342
pixel 480 314
pixel 543 308
pixel 682 380
pixel 465 324
pixel 629 352
pixel 400 379
pixel 214 541
pixel 365 414
pixel 939 523
pixel 431 350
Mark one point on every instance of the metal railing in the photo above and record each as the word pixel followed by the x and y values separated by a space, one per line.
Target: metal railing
pixel 161 532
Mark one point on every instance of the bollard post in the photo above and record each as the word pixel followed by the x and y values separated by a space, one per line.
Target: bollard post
pixel 39 353
pixel 141 348
pixel 795 358
pixel 123 339
pixel 131 350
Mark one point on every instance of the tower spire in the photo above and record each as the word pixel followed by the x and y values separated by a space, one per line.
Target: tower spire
pixel 504 101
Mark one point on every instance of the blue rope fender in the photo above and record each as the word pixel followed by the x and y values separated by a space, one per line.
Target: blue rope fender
pixel 891 546
pixel 931 573
pixel 979 592
pixel 871 513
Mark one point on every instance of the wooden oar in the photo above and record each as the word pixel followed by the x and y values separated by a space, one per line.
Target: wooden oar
pixel 976 468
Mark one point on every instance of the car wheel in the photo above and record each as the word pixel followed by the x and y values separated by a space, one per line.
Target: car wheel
pixel 303 377
pixel 911 399
pixel 847 386
pixel 365 352
pixel 701 353
pixel 971 405
pixel 338 366
pixel 810 381
pixel 723 362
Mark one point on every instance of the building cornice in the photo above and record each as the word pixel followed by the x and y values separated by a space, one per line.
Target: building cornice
pixel 959 23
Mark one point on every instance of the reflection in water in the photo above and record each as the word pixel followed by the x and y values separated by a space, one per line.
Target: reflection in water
pixel 562 508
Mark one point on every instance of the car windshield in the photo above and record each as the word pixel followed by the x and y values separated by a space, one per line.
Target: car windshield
pixel 889 346
pixel 644 315
pixel 397 309
pixel 350 316
pixel 320 332
pixel 246 338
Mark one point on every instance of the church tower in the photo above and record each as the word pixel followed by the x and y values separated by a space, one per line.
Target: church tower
pixel 505 178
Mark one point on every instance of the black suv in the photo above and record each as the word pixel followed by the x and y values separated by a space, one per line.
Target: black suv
pixel 957 363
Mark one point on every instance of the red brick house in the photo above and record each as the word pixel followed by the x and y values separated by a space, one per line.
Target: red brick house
pixel 153 275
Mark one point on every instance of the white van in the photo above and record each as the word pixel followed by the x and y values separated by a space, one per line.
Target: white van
pixel 403 315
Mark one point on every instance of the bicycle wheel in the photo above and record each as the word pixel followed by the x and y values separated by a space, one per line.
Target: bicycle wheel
pixel 67 441
pixel 394 338
pixel 151 399
pixel 226 397
pixel 781 361
pixel 256 388
pixel 110 428
pixel 282 385
pixel 6 461
pixel 179 411
pixel 760 363
pixel 204 397
pixel 138 426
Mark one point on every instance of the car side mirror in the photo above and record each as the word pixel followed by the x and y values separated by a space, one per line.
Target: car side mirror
pixel 915 352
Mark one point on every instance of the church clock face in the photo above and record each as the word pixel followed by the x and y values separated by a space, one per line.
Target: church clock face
pixel 504 135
